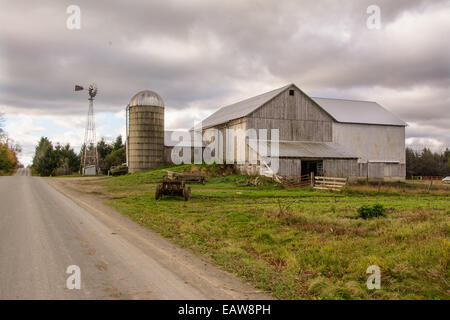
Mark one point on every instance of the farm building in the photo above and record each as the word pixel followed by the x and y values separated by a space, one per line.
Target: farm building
pixel 330 137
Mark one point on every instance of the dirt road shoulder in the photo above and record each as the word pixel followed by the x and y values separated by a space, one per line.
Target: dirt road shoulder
pixel 194 270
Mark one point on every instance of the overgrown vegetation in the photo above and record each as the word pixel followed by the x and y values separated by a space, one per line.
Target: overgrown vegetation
pixel 427 163
pixel 8 152
pixel 301 243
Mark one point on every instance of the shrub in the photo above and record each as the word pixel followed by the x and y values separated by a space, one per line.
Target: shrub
pixel 368 211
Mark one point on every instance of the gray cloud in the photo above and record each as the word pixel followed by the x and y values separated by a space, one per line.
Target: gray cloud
pixel 204 54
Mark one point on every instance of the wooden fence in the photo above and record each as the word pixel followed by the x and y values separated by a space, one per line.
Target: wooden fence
pixel 427 178
pixel 329 183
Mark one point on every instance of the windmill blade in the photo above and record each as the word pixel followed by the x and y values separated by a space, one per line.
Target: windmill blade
pixel 78 88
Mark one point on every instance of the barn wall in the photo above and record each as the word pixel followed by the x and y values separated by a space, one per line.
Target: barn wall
pixel 372 142
pixel 382 171
pixel 238 124
pixel 381 149
pixel 297 117
pixel 290 167
pixel 341 168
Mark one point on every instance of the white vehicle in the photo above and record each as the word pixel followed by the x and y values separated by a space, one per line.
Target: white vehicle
pixel 446 180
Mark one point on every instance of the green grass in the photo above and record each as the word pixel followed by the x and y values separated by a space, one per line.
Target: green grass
pixel 316 248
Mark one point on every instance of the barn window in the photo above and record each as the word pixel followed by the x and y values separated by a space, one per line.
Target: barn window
pixel 291 92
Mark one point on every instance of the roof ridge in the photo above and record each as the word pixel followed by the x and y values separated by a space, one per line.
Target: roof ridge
pixel 243 106
pixel 258 95
pixel 344 99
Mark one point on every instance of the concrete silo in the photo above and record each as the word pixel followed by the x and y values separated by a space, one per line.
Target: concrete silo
pixel 145 131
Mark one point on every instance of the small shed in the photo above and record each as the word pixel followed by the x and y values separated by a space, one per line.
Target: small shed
pixel 90 170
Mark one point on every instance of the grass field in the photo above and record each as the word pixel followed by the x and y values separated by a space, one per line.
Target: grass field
pixel 300 243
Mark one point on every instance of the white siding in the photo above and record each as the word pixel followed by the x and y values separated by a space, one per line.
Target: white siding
pixel 372 142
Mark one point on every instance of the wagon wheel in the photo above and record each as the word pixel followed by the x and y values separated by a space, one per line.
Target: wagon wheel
pixel 158 193
pixel 186 193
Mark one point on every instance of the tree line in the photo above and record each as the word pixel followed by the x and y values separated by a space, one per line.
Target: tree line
pixel 8 152
pixel 427 163
pixel 110 154
pixel 50 160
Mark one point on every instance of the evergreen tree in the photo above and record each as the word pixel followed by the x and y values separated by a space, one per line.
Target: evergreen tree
pixel 427 163
pixel 118 143
pixel 43 144
pixel 103 148
pixel 47 160
pixel 115 158
pixel 68 160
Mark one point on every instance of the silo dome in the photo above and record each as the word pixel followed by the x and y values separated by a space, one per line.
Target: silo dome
pixel 145 131
pixel 146 98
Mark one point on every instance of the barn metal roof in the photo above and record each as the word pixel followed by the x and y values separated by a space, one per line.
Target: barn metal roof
pixel 314 150
pixel 347 111
pixel 352 111
pixel 308 149
pixel 240 109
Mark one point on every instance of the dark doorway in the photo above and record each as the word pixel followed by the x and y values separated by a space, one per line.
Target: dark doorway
pixel 315 166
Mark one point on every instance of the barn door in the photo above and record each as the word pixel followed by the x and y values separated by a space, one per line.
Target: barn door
pixel 315 166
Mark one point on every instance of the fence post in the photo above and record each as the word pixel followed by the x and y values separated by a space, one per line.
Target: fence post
pixel 312 179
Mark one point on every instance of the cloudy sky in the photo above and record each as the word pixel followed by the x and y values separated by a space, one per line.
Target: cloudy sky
pixel 200 55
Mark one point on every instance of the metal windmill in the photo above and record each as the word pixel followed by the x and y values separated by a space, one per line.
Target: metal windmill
pixel 89 159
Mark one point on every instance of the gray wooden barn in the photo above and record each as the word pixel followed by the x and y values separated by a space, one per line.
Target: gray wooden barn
pixel 330 137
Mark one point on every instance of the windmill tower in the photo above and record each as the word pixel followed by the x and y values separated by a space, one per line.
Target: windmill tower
pixel 89 158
